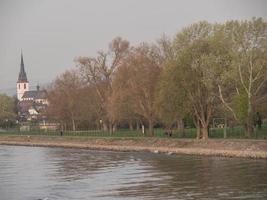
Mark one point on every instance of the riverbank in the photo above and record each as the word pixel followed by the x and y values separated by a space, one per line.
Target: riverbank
pixel 212 147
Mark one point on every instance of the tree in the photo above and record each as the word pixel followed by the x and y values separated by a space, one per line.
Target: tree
pixel 247 77
pixel 143 69
pixel 99 71
pixel 201 56
pixel 7 108
pixel 170 99
pixel 64 97
pixel 89 108
pixel 121 104
pixel 171 104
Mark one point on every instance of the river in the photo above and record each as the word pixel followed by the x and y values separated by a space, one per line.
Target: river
pixel 40 173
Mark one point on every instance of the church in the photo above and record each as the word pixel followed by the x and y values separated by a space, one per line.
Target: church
pixel 31 103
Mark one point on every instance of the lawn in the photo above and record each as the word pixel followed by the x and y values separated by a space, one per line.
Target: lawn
pixel 235 132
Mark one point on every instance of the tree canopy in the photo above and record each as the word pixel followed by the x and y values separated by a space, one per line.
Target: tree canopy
pixel 206 70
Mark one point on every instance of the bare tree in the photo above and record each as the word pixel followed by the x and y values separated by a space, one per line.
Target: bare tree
pixel 99 72
pixel 64 94
pixel 140 74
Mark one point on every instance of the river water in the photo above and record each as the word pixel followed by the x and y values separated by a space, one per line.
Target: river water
pixel 35 173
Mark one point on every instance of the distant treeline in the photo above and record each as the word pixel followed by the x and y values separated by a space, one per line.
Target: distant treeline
pixel 205 71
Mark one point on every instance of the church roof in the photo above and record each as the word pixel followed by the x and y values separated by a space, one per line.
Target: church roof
pixel 34 94
pixel 22 74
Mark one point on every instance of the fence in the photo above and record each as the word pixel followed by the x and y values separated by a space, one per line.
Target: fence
pixel 235 132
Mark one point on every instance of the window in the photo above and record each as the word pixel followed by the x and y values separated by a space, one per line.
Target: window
pixel 19 86
pixel 24 85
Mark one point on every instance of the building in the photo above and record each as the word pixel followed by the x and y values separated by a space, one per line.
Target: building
pixel 22 83
pixel 31 103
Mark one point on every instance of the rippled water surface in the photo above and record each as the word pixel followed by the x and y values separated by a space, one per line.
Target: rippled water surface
pixel 31 173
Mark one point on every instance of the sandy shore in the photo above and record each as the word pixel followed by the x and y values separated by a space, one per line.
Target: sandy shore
pixel 212 147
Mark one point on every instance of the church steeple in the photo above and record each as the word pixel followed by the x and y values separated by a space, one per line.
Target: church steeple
pixel 22 83
pixel 22 74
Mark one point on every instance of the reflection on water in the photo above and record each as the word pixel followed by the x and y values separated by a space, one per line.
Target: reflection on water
pixel 31 173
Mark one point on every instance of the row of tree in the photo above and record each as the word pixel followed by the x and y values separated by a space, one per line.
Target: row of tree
pixel 206 70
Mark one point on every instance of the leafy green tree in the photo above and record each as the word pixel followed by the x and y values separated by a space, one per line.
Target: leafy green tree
pixel 247 76
pixel 171 104
pixel 7 108
pixel 201 56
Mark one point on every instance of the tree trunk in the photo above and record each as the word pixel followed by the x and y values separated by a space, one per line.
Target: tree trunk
pixel 105 127
pixel 110 128
pixel 202 131
pixel 131 125
pixel 73 125
pixel 150 127
pixel 225 128
pixel 114 127
pixel 137 126
pixel 248 129
pixel 205 132
pixel 180 127
pixel 249 121
pixel 198 126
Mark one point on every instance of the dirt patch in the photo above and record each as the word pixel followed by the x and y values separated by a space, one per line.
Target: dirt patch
pixel 213 147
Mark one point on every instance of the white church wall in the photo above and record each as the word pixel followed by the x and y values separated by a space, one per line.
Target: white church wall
pixel 21 88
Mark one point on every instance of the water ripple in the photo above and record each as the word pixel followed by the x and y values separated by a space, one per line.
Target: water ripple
pixel 31 173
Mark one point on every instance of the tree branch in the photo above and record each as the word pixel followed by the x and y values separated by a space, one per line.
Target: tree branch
pixel 225 104
pixel 241 78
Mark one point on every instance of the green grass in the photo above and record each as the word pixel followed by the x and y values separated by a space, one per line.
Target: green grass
pixel 233 133
pixel 238 132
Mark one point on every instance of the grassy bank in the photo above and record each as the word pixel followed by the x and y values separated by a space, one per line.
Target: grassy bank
pixel 232 133
pixel 212 147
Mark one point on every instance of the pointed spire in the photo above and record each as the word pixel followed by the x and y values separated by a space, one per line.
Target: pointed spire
pixel 22 73
pixel 21 60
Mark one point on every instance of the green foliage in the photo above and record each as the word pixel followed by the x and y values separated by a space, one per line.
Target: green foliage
pixel 7 107
pixel 240 103
pixel 188 120
pixel 171 100
pixel 202 57
pixel 245 80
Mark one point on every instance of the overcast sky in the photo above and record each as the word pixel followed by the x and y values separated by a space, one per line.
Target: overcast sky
pixel 52 33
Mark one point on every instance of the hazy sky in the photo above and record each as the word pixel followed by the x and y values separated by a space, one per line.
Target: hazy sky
pixel 52 33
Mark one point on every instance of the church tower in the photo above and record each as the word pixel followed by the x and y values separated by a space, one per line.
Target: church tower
pixel 22 83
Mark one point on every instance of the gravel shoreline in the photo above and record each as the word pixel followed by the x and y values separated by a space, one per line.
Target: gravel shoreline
pixel 213 147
